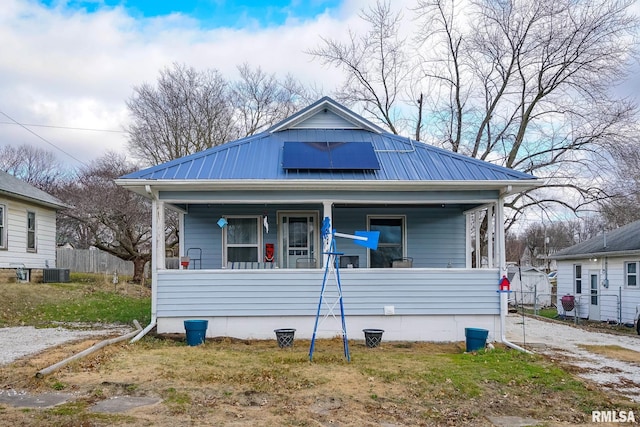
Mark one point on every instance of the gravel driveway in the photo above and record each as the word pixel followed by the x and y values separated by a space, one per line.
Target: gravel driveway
pixel 561 342
pixel 26 340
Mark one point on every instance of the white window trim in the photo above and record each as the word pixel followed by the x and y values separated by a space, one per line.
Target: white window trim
pixel 34 231
pixel 404 233
pixel 626 274
pixel 3 227
pixel 226 245
pixel 575 278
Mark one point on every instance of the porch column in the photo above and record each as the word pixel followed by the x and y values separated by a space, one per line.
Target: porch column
pixel 158 232
pixel 500 237
pixel 181 248
pixel 327 208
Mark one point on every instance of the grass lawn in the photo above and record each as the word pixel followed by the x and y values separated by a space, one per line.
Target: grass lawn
pixel 87 299
pixel 234 382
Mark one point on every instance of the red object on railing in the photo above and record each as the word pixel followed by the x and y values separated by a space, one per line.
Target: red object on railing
pixel 505 285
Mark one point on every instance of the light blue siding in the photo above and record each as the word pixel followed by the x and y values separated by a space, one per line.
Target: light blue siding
pixel 435 235
pixel 296 292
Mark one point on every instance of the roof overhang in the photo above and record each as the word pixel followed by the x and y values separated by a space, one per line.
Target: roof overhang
pixel 33 200
pixel 141 186
pixel 602 254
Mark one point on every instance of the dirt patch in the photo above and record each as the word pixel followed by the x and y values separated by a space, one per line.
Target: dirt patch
pixel 615 352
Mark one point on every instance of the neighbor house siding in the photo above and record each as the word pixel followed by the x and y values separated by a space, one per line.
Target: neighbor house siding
pixel 610 298
pixel 296 292
pixel 16 252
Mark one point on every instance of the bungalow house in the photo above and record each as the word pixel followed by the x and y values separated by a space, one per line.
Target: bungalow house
pixel 27 227
pixel 602 275
pixel 251 214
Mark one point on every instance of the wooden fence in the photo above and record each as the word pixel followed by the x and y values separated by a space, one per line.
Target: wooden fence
pixel 92 261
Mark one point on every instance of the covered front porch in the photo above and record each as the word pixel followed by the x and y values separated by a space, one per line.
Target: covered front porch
pixel 246 291
pixel 417 230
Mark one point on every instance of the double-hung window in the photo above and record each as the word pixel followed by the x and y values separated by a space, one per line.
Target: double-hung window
pixel 31 231
pixel 3 227
pixel 577 278
pixel 391 244
pixel 631 274
pixel 242 239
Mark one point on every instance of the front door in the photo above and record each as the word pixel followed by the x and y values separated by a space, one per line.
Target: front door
pixel 299 234
pixel 594 307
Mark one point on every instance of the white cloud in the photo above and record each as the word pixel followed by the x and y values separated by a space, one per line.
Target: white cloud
pixel 71 68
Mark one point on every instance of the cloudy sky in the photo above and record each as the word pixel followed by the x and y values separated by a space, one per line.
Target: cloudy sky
pixel 67 66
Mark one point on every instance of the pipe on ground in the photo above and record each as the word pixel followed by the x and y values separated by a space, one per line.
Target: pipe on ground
pixel 146 330
pixel 95 347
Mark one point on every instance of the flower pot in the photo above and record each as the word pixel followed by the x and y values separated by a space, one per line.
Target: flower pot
pixel 372 337
pixel 476 338
pixel 196 331
pixel 285 337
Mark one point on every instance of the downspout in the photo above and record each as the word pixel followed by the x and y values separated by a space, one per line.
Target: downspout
pixel 499 224
pixel 154 276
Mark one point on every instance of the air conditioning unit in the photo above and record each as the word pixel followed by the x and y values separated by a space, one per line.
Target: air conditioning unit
pixel 55 275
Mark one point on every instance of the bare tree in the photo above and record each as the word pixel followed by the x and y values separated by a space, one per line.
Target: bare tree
pixel 188 111
pixel 107 216
pixel 519 83
pixel 376 66
pixel 261 100
pixel 624 187
pixel 515 247
pixel 34 165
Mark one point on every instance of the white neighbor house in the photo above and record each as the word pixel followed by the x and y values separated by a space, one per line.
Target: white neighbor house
pixel 602 274
pixel 27 226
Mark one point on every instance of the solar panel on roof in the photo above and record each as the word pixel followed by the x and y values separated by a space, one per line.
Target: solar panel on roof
pixel 329 155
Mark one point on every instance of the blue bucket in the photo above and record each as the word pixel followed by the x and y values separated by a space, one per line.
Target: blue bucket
pixel 476 338
pixel 196 331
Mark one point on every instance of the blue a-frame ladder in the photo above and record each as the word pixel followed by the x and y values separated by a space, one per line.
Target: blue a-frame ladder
pixel 332 268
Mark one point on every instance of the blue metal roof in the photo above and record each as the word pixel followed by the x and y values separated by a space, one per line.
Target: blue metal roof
pixel 260 157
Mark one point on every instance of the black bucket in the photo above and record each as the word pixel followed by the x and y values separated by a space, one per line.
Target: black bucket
pixel 372 337
pixel 285 337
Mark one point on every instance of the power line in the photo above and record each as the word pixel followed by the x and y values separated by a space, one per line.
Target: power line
pixel 42 138
pixel 61 127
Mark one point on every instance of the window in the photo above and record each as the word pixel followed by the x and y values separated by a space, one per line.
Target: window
pixel 3 230
pixel 242 239
pixel 391 244
pixel 31 231
pixel 577 278
pixel 631 274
